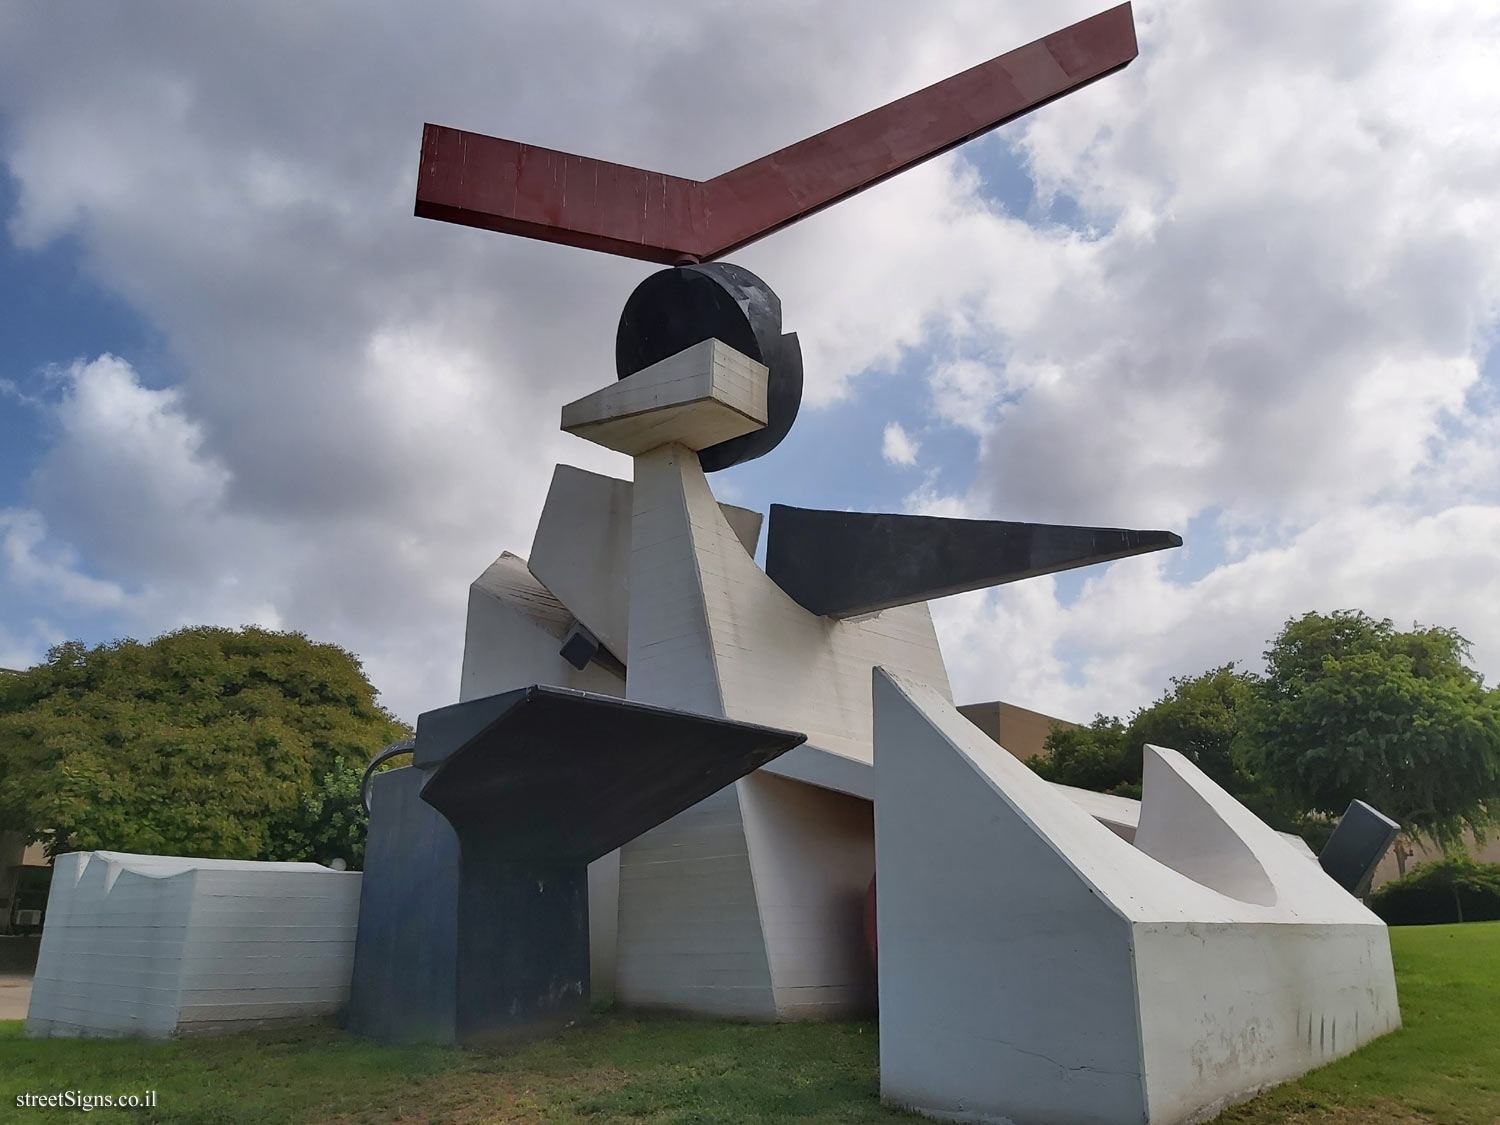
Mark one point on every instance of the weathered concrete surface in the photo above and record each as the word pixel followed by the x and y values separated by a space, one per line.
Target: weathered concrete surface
pixel 163 945
pixel 1084 979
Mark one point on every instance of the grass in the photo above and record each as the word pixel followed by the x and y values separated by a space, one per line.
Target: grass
pixel 613 1068
pixel 1443 1067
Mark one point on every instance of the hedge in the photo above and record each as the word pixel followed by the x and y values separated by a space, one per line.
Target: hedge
pixel 1450 890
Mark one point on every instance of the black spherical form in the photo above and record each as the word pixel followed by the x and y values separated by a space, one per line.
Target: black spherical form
pixel 676 308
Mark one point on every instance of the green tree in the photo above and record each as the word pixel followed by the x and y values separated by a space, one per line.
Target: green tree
pixel 1092 757
pixel 197 743
pixel 1201 716
pixel 328 823
pixel 1350 707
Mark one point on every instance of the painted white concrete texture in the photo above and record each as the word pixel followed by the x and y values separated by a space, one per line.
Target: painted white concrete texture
pixel 159 946
pixel 515 629
pixel 581 550
pixel 1122 815
pixel 709 632
pixel 701 396
pixel 1035 966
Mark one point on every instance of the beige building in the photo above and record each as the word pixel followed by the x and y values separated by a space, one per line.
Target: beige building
pixel 1020 731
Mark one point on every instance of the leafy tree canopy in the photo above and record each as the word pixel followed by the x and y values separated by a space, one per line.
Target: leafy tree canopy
pixel 1091 757
pixel 328 823
pixel 202 742
pixel 1199 715
pixel 1350 707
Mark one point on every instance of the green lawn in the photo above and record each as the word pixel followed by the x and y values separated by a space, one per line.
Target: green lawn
pixel 1444 1066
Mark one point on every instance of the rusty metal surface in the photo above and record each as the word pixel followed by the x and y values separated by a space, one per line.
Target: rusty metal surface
pixel 522 189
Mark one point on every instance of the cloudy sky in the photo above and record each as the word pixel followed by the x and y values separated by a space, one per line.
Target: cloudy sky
pixel 1246 289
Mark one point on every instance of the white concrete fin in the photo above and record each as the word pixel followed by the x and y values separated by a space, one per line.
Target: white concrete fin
pixel 746 526
pixel 701 396
pixel 1184 828
pixel 513 635
pixel 581 551
pixel 1229 994
pixel 1006 989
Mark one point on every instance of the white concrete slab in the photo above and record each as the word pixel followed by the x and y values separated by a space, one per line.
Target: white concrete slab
pixel 701 396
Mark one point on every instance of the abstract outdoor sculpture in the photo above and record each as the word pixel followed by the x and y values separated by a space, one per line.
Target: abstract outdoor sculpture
pixel 744 772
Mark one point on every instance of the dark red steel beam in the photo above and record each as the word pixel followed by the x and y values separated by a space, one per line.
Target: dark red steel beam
pixel 535 192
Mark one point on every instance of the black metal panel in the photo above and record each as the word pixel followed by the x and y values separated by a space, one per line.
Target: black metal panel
pixel 548 774
pixel 840 564
pixel 676 308
pixel 1357 846
pixel 523 945
pixel 580 646
pixel 405 954
pixel 536 783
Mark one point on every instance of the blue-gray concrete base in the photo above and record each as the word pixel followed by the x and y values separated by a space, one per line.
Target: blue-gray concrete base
pixel 406 955
pixel 523 947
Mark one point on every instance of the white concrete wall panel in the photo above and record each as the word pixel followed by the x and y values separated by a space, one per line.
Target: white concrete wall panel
pixel 515 629
pixel 709 632
pixel 1226 990
pixel 690 933
pixel 701 396
pixel 812 852
pixel 159 946
pixel 581 551
pixel 1005 981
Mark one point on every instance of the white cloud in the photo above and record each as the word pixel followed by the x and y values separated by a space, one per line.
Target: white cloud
pixel 898 447
pixel 48 570
pixel 1131 628
pixel 1279 316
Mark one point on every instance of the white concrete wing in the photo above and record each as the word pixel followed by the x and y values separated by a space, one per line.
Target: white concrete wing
pixel 701 396
pixel 160 945
pixel 1035 965
pixel 514 632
